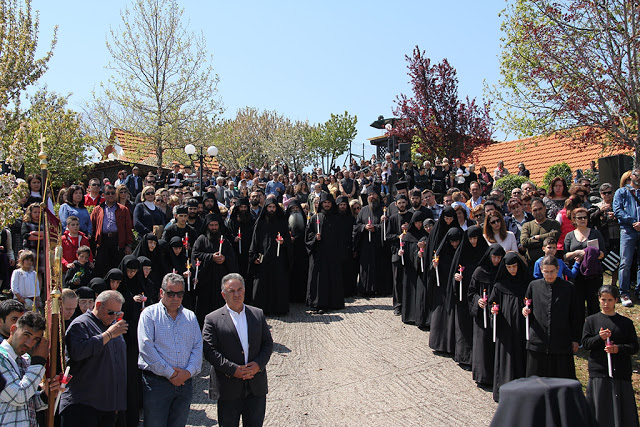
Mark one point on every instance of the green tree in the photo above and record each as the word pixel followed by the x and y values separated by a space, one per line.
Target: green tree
pixel 163 85
pixel 559 169
pixel 571 67
pixel 332 138
pixel 66 144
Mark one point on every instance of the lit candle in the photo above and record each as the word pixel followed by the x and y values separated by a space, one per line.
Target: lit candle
pixel 239 242
pixel 185 242
pixel 384 225
pixel 402 247
pixel 484 297
pixel 278 239
pixel 144 299
pixel 436 258
pixel 189 276
pixel 494 310
pixel 609 359
pixel 196 276
pixel 63 381
pixel 370 230
pixel 318 222
pixel 527 303
pixel 422 259
pixel 460 269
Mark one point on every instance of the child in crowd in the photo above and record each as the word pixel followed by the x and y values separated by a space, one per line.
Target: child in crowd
pixel 554 325
pixel 23 281
pixel 71 240
pixel 550 248
pixel 385 180
pixel 611 399
pixel 80 272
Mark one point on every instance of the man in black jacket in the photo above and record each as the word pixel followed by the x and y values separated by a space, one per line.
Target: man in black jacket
pixel 238 344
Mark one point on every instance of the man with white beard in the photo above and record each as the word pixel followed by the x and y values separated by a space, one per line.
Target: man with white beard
pixel 300 269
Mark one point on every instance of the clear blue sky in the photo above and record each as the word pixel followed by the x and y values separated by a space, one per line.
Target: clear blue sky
pixel 303 59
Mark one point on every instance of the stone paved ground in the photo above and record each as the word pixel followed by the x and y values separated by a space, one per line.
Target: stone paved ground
pixel 360 366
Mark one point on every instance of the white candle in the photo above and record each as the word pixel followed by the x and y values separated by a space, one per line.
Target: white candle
pixel 278 243
pixel 384 226
pixel 239 244
pixel 65 380
pixel 197 267
pixel 220 249
pixel 188 277
pixel 609 362
pixel 402 249
pixel 527 302
pixel 318 222
pixel 370 231
pixel 495 322
pixel 484 297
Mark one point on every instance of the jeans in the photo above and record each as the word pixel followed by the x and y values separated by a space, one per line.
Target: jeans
pixel 165 405
pixel 629 244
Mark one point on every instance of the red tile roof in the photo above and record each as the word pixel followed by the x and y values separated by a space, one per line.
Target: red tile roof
pixel 538 153
pixel 139 148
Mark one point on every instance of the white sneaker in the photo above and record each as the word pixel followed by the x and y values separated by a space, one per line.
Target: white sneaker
pixel 626 302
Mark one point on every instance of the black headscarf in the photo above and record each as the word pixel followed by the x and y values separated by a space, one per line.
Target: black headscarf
pixel 177 262
pixel 413 234
pixel 113 274
pixel 150 287
pixel 98 285
pixel 133 285
pixel 143 247
pixel 452 235
pixel 508 284
pixel 468 255
pixel 440 230
pixel 210 218
pixel 486 271
pixel 327 197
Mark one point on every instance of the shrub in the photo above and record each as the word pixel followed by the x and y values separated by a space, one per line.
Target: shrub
pixel 508 183
pixel 559 169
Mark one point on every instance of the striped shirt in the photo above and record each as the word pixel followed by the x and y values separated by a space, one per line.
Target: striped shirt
pixel 165 343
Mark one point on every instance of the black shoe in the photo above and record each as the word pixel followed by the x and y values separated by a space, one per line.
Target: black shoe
pixel 397 311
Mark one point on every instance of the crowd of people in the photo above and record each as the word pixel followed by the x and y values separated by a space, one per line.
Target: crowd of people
pixel 509 285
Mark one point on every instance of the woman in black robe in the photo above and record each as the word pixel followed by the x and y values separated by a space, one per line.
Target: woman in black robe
pixel 213 266
pixel 424 285
pixel 468 256
pixel 442 336
pixel 176 261
pixel 412 265
pixel 482 280
pixel 131 288
pixel 270 271
pixel 612 400
pixel 151 290
pixel 508 292
pixel 324 289
pixel 150 248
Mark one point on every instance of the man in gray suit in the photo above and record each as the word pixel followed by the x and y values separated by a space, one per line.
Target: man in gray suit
pixel 238 344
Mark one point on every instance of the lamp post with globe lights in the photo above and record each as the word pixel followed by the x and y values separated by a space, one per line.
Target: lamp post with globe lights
pixel 190 150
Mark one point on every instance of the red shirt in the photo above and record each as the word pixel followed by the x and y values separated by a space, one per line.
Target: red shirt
pixel 69 247
pixel 90 201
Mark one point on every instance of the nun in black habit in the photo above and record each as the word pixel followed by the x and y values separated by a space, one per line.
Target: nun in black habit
pixel 442 337
pixel 176 261
pixel 213 266
pixel 508 292
pixel 299 277
pixel 482 280
pixel 270 270
pixel 408 251
pixel 151 289
pixel 325 290
pixel 468 255
pixel 375 265
pixel 150 248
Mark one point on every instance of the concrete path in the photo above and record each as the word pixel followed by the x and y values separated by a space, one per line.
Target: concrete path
pixel 360 366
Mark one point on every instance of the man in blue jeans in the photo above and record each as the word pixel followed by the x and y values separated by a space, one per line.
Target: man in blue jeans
pixel 170 345
pixel 626 207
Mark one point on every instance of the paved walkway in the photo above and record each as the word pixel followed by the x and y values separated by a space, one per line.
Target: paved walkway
pixel 360 366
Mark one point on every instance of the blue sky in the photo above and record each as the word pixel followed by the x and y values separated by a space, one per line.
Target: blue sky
pixel 303 59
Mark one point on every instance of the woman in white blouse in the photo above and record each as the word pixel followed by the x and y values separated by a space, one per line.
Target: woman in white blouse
pixel 495 231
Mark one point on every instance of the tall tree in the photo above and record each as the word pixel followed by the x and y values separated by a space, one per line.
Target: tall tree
pixel 65 143
pixel 434 118
pixel 19 69
pixel 331 139
pixel 572 67
pixel 162 83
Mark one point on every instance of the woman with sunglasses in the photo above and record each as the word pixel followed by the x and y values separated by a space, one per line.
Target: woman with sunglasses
pixel 589 278
pixel 495 231
pixel 146 215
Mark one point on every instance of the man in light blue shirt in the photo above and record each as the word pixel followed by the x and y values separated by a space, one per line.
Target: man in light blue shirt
pixel 275 187
pixel 170 345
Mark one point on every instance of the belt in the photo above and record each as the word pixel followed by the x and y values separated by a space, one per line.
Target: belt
pixel 110 235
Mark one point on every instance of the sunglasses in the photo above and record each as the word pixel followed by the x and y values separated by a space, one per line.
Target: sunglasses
pixel 581 218
pixel 171 294
pixel 495 221
pixel 149 194
pixel 113 313
pixel 95 185
pixel 109 193
pixel 605 193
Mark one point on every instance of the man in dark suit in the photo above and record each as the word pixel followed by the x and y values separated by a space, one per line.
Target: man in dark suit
pixel 134 182
pixel 238 344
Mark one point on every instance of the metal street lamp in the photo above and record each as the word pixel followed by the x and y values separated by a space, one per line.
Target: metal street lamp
pixel 190 150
